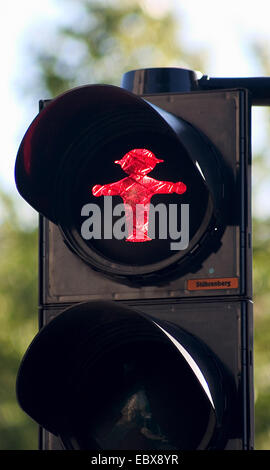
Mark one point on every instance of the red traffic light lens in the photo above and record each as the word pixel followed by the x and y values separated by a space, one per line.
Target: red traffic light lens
pixel 136 191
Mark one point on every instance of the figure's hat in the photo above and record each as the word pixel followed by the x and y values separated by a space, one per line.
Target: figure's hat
pixel 143 155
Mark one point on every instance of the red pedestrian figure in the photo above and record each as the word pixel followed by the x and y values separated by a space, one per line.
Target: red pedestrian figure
pixel 136 190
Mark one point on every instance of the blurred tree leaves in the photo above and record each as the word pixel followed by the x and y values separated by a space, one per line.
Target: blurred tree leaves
pixel 108 38
pixel 261 279
pixel 101 41
pixel 18 320
pixel 261 271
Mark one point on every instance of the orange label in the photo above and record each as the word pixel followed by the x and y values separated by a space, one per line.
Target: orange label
pixel 207 284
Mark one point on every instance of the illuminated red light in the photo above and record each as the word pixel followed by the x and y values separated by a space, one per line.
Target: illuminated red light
pixel 137 189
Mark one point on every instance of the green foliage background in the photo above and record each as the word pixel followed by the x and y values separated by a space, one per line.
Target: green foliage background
pixel 107 39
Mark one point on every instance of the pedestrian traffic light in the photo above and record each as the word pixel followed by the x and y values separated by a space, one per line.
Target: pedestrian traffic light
pixel 145 337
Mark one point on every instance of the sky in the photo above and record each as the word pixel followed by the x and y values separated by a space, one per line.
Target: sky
pixel 225 30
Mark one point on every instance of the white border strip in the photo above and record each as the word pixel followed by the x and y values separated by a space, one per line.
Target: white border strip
pixel 191 363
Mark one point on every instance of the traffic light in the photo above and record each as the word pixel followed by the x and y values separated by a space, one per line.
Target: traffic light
pixel 145 337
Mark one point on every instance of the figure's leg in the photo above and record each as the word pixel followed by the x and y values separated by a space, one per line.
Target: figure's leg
pixel 140 222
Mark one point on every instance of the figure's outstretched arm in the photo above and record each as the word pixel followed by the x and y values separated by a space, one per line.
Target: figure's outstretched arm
pixel 112 189
pixel 166 187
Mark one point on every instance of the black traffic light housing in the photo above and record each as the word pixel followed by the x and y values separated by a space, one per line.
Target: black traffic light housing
pixel 84 389
pixel 54 172
pixel 145 314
